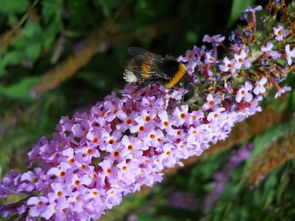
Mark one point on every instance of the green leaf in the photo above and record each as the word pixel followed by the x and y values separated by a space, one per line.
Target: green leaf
pixel 13 58
pixel 13 6
pixel 31 42
pixel 51 9
pixel 2 69
pixel 238 6
pixel 270 188
pixel 31 30
pixel 50 32
pixel 33 50
pixel 20 90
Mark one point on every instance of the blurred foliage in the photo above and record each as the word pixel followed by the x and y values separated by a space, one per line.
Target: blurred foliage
pixel 61 56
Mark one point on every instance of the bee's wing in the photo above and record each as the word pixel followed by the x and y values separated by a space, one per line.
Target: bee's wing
pixel 135 51
pixel 141 53
pixel 132 65
pixel 140 56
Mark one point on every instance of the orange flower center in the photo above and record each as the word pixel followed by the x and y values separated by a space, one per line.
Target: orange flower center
pixel 89 151
pixel 35 180
pixel 152 136
pixel 59 193
pixel 130 147
pixel 77 182
pixel 116 154
pixel 128 121
pixel 183 115
pixel 280 32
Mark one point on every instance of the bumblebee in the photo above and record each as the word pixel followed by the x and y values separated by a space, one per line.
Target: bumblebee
pixel 146 68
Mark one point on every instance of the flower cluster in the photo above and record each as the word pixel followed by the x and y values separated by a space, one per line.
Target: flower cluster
pixel 121 144
pixel 126 141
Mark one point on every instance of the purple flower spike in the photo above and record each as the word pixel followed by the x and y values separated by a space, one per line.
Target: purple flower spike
pixel 90 163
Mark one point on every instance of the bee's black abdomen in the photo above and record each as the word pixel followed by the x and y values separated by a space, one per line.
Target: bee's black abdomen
pixel 170 67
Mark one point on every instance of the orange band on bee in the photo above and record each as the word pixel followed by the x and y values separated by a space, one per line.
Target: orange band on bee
pixel 177 77
pixel 146 68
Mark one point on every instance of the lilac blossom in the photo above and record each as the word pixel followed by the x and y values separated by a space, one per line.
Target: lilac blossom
pixel 253 12
pixel 267 50
pixel 211 102
pixel 213 39
pixel 209 58
pixel 228 65
pixel 241 60
pixel 216 40
pixel 282 91
pixel 251 9
pixel 245 93
pixel 259 86
pixel 280 33
pixel 289 54
pixel 189 55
